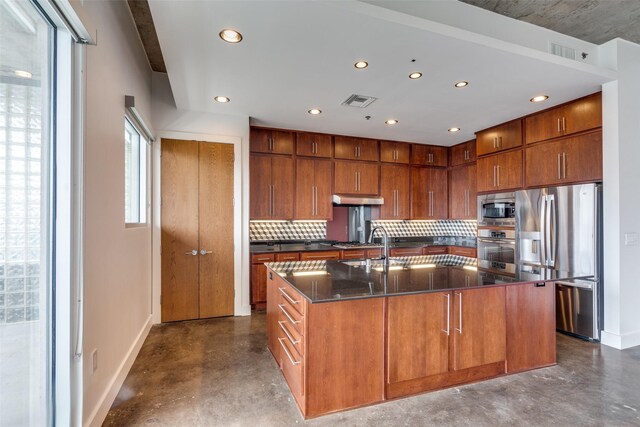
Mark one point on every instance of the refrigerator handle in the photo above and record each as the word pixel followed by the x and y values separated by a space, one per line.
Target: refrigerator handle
pixel 548 244
pixel 552 230
pixel 543 231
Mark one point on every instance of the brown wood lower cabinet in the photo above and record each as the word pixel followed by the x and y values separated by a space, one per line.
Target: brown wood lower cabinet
pixel 405 251
pixel 435 250
pixel 463 251
pixel 531 324
pixel 258 279
pixel 319 255
pixel 413 343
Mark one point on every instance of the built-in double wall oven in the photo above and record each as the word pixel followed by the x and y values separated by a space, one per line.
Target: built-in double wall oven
pixel 496 232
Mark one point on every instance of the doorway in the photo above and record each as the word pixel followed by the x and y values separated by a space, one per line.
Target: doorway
pixel 197 225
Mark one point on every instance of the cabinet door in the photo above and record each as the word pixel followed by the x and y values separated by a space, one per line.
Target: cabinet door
pixel 319 255
pixel 462 192
pixel 420 201
pixel 273 315
pixel 260 191
pixel 258 284
pixel 583 114
pixel 577 159
pixel 479 327
pixel 417 339
pixel 271 141
pixel 394 188
pixel 322 179
pixel 353 254
pixel 394 152
pixel 305 189
pixel 345 177
pixel 438 187
pixel 544 125
pixel 435 250
pixel 313 144
pixel 369 178
pixel 282 179
pixel 500 172
pixel 429 155
pixel 503 137
pixel 462 153
pixel 350 148
pixel 531 326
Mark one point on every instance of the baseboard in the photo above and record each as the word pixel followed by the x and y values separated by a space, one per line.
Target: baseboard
pixel 244 310
pixel 620 342
pixel 101 410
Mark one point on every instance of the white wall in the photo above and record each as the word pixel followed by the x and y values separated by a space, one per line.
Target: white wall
pixel 117 305
pixel 621 139
pixel 191 125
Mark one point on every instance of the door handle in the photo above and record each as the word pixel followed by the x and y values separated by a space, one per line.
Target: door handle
pixel 193 252
pixel 203 252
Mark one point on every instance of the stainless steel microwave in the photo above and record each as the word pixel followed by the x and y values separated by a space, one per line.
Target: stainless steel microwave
pixel 498 209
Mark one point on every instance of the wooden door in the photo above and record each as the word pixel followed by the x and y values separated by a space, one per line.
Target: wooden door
pixel 282 182
pixel 479 327
pixel 531 326
pixel 583 114
pixel 438 187
pixel 394 152
pixel 417 340
pixel 179 230
pixel 544 125
pixel 502 137
pixel 260 185
pixel 216 219
pixel 313 144
pixel 322 178
pixel 305 189
pixel 462 153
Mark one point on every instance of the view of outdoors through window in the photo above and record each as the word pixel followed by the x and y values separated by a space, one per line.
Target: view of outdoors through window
pixel 25 289
pixel 135 175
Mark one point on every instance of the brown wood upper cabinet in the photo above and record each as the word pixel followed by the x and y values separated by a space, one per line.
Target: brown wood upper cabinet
pixel 462 153
pixel 577 116
pixel 462 192
pixel 428 193
pixel 313 144
pixel 356 178
pixel 394 188
pixel 394 152
pixel 271 141
pixel 350 148
pixel 428 155
pixel 500 172
pixel 498 138
pixel 568 160
pixel 271 181
pixel 313 189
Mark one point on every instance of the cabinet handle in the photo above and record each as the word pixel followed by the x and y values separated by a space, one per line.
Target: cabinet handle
pixel 286 295
pixel 564 124
pixel 558 125
pixel 448 314
pixel 498 170
pixel 287 315
pixel 495 139
pixel 494 176
pixel 273 200
pixel 281 323
pixel 564 165
pixel 559 173
pixel 289 356
pixel 499 142
pixel 460 314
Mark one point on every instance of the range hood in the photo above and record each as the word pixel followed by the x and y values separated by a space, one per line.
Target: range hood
pixel 356 200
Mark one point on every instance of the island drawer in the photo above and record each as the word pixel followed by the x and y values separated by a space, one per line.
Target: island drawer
pixel 291 297
pixel 292 369
pixel 293 336
pixel 294 318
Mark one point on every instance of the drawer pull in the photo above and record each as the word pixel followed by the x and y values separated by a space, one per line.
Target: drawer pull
pixel 284 347
pixel 294 342
pixel 286 295
pixel 288 315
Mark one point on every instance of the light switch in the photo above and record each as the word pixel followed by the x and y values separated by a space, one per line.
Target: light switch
pixel 631 239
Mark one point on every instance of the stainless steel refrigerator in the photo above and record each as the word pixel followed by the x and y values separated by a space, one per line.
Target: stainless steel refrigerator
pixel 561 228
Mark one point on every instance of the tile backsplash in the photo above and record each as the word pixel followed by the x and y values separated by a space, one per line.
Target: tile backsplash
pixel 266 231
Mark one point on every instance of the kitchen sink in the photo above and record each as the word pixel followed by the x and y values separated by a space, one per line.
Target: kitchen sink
pixel 374 262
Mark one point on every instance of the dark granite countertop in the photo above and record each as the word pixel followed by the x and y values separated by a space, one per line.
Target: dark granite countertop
pixel 258 248
pixel 290 247
pixel 327 281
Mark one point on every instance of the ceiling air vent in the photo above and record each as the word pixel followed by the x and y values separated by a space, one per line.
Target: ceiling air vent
pixel 564 51
pixel 360 101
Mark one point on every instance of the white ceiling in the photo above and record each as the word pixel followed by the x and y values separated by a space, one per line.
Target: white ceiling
pixel 300 55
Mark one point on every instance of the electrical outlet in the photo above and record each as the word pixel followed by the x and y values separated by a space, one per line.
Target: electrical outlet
pixel 94 361
pixel 631 239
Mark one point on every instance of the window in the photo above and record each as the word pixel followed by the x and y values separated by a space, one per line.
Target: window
pixel 136 160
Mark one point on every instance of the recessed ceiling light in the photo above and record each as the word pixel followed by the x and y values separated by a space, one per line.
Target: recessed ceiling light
pixel 454 129
pixel 314 111
pixel 361 64
pixel 539 98
pixel 222 99
pixel 391 122
pixel 414 76
pixel 23 74
pixel 461 84
pixel 231 36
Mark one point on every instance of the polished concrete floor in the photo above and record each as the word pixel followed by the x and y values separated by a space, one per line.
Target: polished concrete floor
pixel 219 372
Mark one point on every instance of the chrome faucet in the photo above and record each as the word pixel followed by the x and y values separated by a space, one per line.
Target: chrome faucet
pixel 385 257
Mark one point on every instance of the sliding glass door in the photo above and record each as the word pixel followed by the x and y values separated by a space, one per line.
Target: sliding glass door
pixel 26 200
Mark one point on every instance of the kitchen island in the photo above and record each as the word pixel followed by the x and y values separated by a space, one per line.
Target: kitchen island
pixel 352 333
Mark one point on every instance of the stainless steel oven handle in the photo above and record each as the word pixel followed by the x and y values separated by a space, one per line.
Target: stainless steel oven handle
pixel 499 241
